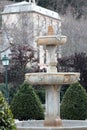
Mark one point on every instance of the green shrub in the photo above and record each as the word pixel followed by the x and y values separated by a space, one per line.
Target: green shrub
pixel 63 90
pixel 41 94
pixel 74 103
pixel 3 89
pixel 26 104
pixel 6 117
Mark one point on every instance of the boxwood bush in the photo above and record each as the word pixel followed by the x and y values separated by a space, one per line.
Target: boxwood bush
pixel 26 104
pixel 6 117
pixel 74 103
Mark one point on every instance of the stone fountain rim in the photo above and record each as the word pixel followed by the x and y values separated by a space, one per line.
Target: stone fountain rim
pixel 56 73
pixel 52 36
pixel 51 40
pixel 52 78
pixel 52 128
pixel 76 127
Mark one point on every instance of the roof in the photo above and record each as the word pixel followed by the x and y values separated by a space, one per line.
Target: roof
pixel 29 7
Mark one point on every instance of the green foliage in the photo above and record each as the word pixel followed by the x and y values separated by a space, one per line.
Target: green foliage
pixel 3 89
pixel 6 117
pixel 12 91
pixel 74 103
pixel 26 104
pixel 63 90
pixel 41 93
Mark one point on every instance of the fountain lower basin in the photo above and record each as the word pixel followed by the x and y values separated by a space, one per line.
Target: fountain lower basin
pixel 52 78
pixel 38 125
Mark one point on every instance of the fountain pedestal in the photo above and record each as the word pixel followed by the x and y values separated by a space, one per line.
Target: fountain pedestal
pixel 52 105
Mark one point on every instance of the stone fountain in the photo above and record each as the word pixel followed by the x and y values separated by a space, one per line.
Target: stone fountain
pixel 52 80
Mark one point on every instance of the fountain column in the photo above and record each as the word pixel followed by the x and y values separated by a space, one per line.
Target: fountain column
pixel 52 91
pixel 52 105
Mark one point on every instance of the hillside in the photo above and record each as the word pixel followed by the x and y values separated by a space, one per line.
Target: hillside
pixel 78 8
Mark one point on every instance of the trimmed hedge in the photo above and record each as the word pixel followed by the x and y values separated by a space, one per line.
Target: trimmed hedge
pixel 26 104
pixel 6 117
pixel 74 103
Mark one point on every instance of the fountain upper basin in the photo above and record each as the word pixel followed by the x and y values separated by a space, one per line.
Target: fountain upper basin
pixel 51 40
pixel 52 78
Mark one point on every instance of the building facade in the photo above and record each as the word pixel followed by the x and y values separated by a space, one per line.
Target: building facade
pixel 23 22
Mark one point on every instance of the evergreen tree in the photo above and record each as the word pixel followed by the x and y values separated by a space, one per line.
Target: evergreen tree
pixel 74 103
pixel 26 104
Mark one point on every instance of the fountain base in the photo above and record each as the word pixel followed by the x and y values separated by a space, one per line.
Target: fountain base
pixel 39 125
pixel 53 123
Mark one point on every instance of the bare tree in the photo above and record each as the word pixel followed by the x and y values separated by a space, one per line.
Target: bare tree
pixel 76 31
